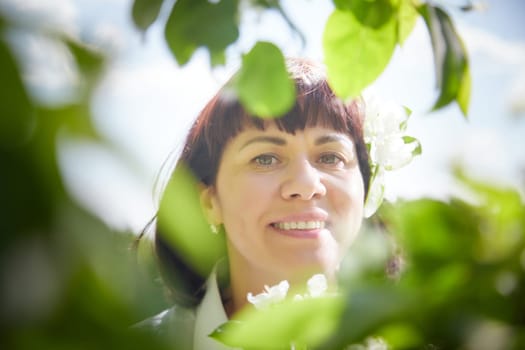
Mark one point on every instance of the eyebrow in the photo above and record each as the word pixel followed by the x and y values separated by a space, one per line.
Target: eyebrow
pixel 281 142
pixel 265 139
pixel 333 138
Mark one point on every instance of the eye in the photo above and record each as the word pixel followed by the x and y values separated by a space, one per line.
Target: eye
pixel 331 159
pixel 265 160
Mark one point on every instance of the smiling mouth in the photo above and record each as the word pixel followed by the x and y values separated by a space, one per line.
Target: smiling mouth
pixel 299 225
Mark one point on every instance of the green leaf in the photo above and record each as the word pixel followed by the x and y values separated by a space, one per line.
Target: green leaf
pixel 358 45
pixel 370 306
pixel 406 18
pixel 145 12
pixel 503 213
pixel 263 84
pixel 195 23
pixel 303 322
pixel 90 63
pixel 18 121
pixel 75 119
pixel 450 59
pixel 444 282
pixel 182 222
pixel 217 58
pixel 375 13
pixel 417 150
pixel 408 111
pixel 401 335
pixel 342 4
pixel 463 96
pixel 89 60
pixel 404 124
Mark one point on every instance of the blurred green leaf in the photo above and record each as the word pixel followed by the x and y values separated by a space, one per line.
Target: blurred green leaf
pixel 25 208
pixel 195 23
pixel 263 84
pixel 463 96
pixel 461 286
pixel 501 219
pixel 370 305
pixel 418 149
pixel 90 63
pixel 445 281
pixel 402 335
pixel 303 322
pixel 184 225
pixel 17 121
pixel 67 281
pixel 372 14
pixel 78 287
pixel 75 119
pixel 358 44
pixel 25 193
pixel 89 60
pixel 450 58
pixel 145 12
pixel 426 227
pixel 406 18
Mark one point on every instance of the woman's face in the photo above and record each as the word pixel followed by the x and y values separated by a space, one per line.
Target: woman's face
pixel 289 203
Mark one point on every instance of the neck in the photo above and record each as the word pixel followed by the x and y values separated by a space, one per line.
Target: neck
pixel 246 278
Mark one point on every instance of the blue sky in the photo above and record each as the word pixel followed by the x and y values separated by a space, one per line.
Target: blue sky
pixel 145 103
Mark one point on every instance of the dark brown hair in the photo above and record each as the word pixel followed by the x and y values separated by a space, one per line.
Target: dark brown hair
pixel 223 118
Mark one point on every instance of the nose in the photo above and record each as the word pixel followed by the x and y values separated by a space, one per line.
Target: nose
pixel 302 181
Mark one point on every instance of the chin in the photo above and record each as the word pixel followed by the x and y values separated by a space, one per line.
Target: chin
pixel 310 265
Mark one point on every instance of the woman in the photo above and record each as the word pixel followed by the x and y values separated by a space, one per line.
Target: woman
pixel 286 195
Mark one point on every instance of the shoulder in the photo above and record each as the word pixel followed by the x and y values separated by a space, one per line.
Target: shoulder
pixel 175 324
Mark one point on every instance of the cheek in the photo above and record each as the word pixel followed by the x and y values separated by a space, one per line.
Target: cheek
pixel 347 202
pixel 244 203
pixel 244 199
pixel 347 196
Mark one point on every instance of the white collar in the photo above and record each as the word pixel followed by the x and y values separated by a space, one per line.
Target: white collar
pixel 210 314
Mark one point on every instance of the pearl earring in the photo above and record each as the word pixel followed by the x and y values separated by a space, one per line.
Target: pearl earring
pixel 214 229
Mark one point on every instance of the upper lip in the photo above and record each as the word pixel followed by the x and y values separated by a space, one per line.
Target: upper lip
pixel 308 215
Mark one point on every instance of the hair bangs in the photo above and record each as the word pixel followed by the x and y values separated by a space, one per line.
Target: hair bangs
pixel 314 106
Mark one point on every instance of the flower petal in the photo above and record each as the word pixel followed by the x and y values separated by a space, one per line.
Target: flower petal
pixel 317 285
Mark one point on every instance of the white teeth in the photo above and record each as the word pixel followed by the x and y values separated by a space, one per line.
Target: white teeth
pixel 300 225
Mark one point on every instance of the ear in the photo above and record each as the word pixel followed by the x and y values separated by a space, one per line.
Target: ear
pixel 210 205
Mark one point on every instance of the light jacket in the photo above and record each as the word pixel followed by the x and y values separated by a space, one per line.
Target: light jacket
pixel 188 328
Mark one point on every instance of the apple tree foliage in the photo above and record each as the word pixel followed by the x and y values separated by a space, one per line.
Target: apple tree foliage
pixel 424 274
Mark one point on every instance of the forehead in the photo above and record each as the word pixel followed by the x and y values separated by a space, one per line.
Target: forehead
pixel 273 134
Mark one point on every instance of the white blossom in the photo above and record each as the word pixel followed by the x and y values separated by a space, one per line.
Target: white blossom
pixel 270 296
pixel 392 152
pixel 376 343
pixel 317 285
pixel 371 343
pixel 389 147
